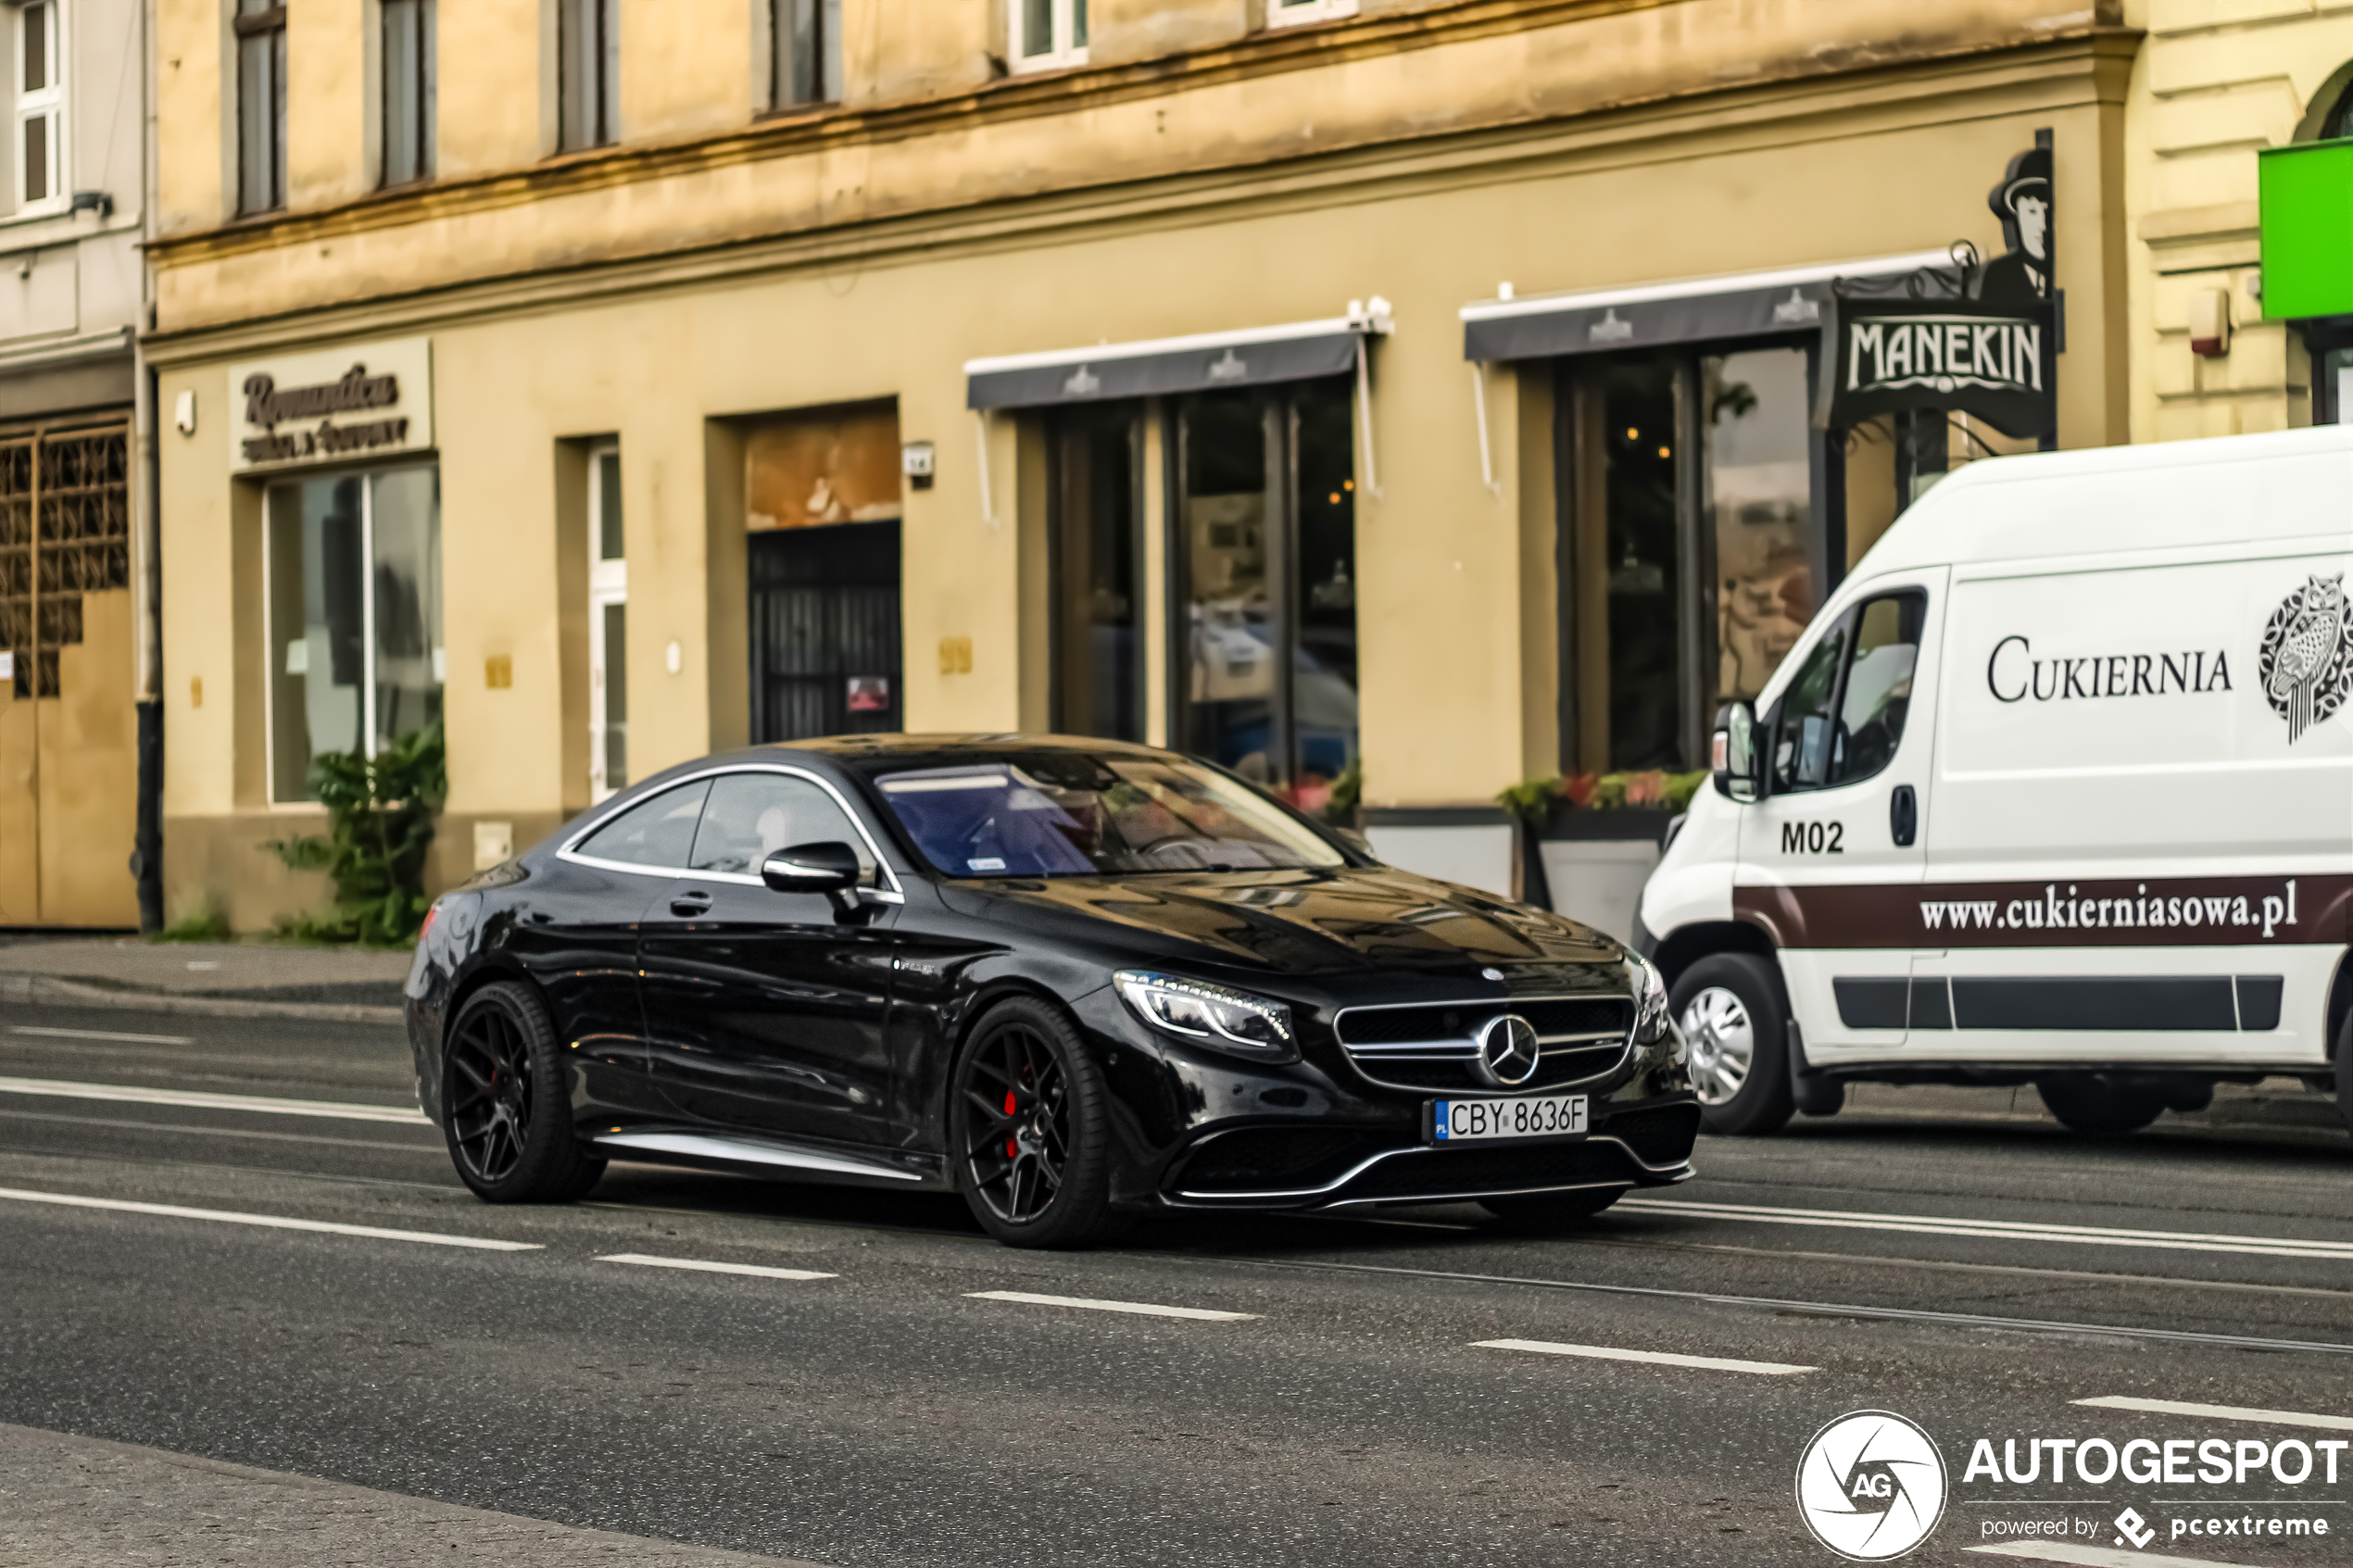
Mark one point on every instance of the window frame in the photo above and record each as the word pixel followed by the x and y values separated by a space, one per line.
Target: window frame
pixel 1848 625
pixel 269 24
pixel 601 114
pixel 891 890
pixel 1300 13
pixel 828 84
pixel 47 104
pixel 426 91
pixel 608 586
pixel 1065 51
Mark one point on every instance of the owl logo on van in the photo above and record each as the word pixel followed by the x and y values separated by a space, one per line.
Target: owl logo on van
pixel 2306 658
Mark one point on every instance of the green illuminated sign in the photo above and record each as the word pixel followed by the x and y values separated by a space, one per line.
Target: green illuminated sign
pixel 2307 231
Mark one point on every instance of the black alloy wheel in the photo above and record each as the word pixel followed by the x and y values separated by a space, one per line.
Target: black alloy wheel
pixel 1541 1212
pixel 1030 1128
pixel 503 1107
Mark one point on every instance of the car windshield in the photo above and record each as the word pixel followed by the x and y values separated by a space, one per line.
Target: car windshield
pixel 1071 814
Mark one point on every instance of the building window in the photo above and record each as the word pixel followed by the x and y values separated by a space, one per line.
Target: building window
pixel 261 105
pixel 587 73
pixel 1292 13
pixel 1266 568
pixel 40 109
pixel 1097 565
pixel 807 59
pixel 354 622
pixel 65 532
pixel 607 630
pixel 409 67
pixel 1047 34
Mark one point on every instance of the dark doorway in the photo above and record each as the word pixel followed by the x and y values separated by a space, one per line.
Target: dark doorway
pixel 824 631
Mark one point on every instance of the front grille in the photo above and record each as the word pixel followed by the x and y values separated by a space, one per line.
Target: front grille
pixel 1433 1047
pixel 1270 1159
pixel 1446 1173
pixel 1661 1135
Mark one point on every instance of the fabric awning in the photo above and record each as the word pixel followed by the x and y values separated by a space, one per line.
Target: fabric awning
pixel 1733 305
pixel 1163 365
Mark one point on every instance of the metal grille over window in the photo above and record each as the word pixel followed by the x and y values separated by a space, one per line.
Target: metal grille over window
pixel 64 531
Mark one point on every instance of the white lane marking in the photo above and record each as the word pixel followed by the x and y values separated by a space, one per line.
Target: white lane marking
pixel 2003 1230
pixel 326 1109
pixel 1661 1358
pixel 2095 1556
pixel 272 1222
pixel 101 1034
pixel 2223 1413
pixel 1145 1308
pixel 703 1266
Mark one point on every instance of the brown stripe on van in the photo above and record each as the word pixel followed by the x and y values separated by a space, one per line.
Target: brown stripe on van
pixel 2151 912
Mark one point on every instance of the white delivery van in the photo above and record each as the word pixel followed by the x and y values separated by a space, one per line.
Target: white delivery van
pixel 2056 789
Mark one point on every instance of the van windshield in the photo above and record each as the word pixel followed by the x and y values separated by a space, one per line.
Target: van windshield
pixel 1071 814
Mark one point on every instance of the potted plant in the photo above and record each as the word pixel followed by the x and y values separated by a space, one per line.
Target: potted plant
pixel 1586 843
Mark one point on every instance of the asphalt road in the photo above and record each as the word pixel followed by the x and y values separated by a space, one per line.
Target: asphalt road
pixel 1949 1257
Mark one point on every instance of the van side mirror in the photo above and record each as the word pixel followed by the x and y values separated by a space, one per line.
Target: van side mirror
pixel 830 868
pixel 1734 754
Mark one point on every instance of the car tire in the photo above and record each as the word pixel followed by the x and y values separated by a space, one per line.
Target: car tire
pixel 1029 1130
pixel 2099 1105
pixel 1541 1212
pixel 2345 1072
pixel 1736 1032
pixel 505 1112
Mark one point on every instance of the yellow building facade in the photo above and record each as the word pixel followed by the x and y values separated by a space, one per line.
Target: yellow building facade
pixel 643 377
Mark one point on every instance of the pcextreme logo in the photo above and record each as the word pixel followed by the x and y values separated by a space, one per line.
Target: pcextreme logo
pixel 1872 1486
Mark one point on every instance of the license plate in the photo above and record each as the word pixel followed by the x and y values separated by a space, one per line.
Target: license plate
pixel 1531 1116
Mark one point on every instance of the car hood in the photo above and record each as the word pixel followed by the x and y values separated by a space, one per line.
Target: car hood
pixel 1300 922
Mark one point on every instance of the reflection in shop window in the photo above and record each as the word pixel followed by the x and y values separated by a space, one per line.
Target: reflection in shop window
pixel 354 619
pixel 1759 496
pixel 1098 587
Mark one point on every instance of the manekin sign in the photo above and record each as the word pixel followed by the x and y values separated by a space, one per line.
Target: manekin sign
pixel 1979 341
pixel 303 410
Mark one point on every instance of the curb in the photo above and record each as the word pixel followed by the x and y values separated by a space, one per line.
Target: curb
pixel 41 988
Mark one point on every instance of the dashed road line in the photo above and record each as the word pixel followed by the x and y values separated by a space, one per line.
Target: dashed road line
pixel 2000 1230
pixel 1659 1358
pixel 2223 1412
pixel 2095 1556
pixel 43 1032
pixel 271 1222
pixel 126 1093
pixel 705 1266
pixel 1144 1309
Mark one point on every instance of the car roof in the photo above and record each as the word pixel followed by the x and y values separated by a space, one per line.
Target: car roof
pixel 896 747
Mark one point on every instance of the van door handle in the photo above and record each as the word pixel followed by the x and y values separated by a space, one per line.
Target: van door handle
pixel 1904 816
pixel 686 906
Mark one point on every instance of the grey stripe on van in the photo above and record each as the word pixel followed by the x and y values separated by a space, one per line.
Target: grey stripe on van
pixel 2248 1003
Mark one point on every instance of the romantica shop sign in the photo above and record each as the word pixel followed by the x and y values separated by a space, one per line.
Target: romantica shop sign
pixel 365 401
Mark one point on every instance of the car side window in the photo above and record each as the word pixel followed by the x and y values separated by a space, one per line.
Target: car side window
pixel 1878 692
pixel 655 832
pixel 750 815
pixel 1804 734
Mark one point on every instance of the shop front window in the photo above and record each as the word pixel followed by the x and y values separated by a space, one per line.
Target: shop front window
pixel 1098 586
pixel 1691 561
pixel 354 623
pixel 1266 562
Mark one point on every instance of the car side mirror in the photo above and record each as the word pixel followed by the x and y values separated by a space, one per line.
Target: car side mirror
pixel 1734 757
pixel 830 868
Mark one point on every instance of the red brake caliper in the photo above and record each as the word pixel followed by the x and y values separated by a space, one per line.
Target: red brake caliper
pixel 1013 1147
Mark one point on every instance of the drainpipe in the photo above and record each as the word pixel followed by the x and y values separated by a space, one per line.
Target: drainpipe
pixel 146 851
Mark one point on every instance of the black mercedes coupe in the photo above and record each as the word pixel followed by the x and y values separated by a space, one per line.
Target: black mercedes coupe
pixel 1070 979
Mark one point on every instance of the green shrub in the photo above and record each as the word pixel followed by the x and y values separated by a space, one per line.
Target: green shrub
pixel 208 924
pixel 380 824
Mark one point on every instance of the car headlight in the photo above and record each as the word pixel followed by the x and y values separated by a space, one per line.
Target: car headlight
pixel 1219 1017
pixel 1650 999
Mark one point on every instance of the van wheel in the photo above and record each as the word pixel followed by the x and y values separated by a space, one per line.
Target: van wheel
pixel 2345 1072
pixel 1737 1034
pixel 2099 1105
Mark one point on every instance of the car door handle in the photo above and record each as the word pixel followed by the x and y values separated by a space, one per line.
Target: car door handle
pixel 686 906
pixel 1904 816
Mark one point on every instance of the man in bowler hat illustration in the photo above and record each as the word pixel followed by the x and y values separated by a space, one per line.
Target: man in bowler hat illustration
pixel 2022 201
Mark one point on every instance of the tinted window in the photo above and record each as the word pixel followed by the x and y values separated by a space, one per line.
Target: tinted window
pixel 1069 814
pixel 1843 717
pixel 750 815
pixel 657 832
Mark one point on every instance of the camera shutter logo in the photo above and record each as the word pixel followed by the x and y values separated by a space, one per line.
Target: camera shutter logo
pixel 1872 1486
pixel 2307 655
pixel 1508 1051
